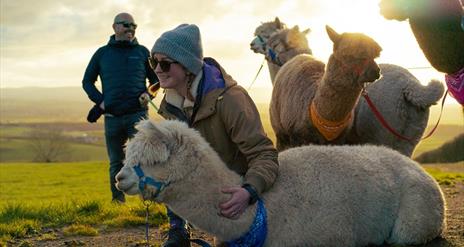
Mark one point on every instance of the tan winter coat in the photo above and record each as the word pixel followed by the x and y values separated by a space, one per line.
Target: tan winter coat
pixel 229 120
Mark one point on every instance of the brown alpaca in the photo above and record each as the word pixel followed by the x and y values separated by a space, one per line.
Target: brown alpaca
pixel 260 44
pixel 399 96
pixel 332 93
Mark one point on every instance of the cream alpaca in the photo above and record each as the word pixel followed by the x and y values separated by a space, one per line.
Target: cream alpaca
pixel 294 46
pixel 324 196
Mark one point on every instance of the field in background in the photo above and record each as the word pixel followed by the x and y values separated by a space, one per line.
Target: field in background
pixel 22 114
pixel 86 141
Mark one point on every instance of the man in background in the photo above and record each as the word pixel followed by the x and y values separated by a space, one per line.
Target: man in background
pixel 123 68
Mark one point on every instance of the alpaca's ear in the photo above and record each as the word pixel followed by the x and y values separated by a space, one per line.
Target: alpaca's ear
pixel 278 23
pixel 334 36
pixel 149 145
pixel 291 38
pixel 306 31
pixel 150 130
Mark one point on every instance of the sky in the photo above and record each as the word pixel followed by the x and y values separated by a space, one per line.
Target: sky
pixel 49 43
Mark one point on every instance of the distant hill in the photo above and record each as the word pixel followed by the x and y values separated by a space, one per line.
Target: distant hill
pixel 36 104
pixel 71 104
pixel 451 151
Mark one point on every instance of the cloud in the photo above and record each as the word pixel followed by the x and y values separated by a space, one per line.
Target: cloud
pixel 50 42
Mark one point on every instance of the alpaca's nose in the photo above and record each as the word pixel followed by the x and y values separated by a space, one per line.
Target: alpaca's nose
pixel 371 73
pixel 253 46
pixel 120 176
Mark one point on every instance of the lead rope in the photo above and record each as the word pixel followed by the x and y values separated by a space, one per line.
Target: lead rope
pixel 388 127
pixel 256 76
pixel 154 106
pixel 147 204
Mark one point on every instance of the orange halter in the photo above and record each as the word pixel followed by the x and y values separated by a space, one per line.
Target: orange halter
pixel 329 129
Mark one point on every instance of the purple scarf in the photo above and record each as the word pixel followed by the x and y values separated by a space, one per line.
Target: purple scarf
pixel 455 83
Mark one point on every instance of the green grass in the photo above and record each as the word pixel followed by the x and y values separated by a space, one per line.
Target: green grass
pixel 72 196
pixel 38 182
pixel 76 197
pixel 80 229
pixel 445 177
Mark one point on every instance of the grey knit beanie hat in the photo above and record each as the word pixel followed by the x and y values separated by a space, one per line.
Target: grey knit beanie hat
pixel 182 44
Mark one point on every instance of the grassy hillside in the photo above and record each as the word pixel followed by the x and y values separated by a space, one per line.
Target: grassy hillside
pixel 40 182
pixel 443 134
pixel 75 196
pixel 36 197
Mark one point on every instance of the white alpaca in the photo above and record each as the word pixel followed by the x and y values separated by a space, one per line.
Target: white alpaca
pixel 323 196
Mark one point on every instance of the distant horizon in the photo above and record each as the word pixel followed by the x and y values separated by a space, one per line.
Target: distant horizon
pixel 263 90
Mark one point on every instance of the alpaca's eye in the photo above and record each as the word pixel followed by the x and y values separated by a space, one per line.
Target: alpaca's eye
pixel 351 58
pixel 274 43
pixel 279 47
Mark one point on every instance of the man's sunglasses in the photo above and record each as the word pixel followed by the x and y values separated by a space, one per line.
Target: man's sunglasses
pixel 164 65
pixel 127 24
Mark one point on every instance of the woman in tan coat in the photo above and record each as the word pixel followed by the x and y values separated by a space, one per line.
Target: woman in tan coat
pixel 201 93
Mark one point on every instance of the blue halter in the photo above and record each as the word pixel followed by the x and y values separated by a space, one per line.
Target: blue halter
pixel 256 235
pixel 145 181
pixel 274 57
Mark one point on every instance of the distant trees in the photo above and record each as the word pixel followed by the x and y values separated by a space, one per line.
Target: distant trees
pixel 451 151
pixel 49 145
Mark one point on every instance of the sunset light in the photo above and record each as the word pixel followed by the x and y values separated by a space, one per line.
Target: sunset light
pixel 60 38
pixel 265 123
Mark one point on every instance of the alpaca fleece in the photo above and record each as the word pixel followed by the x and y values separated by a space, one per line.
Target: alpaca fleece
pixel 397 94
pixel 324 195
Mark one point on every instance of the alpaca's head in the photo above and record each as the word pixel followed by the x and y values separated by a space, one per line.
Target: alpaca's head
pixel 286 40
pixel 262 34
pixel 164 151
pixel 356 53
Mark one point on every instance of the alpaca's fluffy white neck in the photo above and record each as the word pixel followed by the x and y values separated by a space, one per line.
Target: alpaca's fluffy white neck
pixel 197 200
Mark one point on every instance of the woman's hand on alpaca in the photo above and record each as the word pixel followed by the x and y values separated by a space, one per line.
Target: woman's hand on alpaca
pixel 237 203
